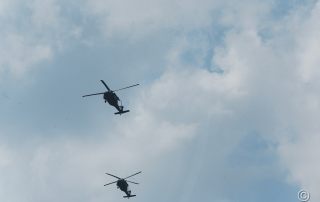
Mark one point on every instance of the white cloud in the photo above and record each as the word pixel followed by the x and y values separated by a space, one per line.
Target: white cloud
pixel 300 149
pixel 300 157
pixel 307 38
pixel 19 54
pixel 136 19
pixel 139 18
pixel 281 78
pixel 276 82
pixel 19 50
pixel 45 14
pixel 32 33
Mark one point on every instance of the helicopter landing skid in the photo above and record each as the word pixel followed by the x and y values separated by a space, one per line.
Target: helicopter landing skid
pixel 122 112
pixel 129 196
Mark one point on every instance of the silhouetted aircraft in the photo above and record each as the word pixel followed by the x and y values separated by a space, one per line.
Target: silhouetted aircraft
pixel 123 185
pixel 110 97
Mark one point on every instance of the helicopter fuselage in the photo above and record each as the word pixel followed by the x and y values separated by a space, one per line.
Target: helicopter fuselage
pixel 123 186
pixel 112 99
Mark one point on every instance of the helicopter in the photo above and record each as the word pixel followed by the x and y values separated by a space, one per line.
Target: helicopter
pixel 123 185
pixel 111 97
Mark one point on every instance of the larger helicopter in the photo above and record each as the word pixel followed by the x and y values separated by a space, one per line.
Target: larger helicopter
pixel 123 185
pixel 111 97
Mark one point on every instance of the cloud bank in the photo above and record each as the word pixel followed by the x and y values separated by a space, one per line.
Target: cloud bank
pixel 234 107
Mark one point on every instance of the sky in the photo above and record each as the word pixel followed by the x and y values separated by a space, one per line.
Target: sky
pixel 227 109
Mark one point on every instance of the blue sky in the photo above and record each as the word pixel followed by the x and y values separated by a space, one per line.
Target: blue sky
pixel 227 109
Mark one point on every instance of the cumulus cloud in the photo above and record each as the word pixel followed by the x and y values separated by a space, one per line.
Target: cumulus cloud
pixel 281 82
pixel 140 18
pixel 19 50
pixel 18 54
pixel 299 150
pixel 32 33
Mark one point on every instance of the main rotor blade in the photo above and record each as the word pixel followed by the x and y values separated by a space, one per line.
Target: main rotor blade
pixel 110 183
pixel 92 94
pixel 114 176
pixel 127 87
pixel 132 182
pixel 105 85
pixel 132 175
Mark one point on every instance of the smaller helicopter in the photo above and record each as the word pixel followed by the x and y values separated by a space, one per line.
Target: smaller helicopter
pixel 123 185
pixel 110 97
